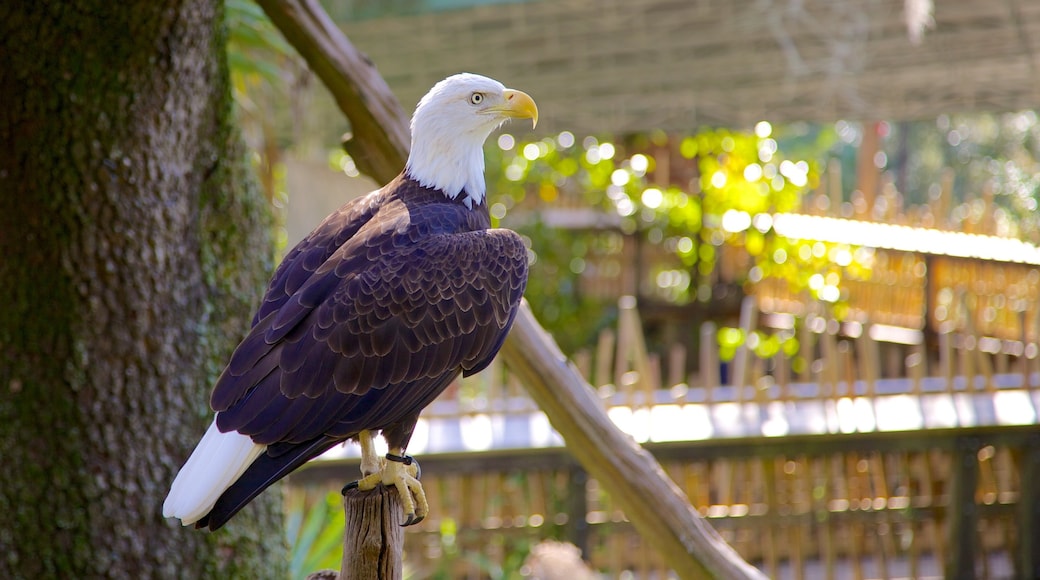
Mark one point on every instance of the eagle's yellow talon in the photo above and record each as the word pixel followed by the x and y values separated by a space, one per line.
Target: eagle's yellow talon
pixel 397 470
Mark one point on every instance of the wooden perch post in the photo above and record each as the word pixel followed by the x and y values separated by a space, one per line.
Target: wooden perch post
pixel 373 547
pixel 654 504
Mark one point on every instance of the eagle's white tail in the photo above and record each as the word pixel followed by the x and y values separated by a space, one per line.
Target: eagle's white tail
pixel 218 460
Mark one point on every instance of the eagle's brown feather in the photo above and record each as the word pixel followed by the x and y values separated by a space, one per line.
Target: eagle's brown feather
pixel 365 322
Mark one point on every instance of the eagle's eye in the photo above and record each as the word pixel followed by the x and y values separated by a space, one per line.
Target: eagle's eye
pixel 476 98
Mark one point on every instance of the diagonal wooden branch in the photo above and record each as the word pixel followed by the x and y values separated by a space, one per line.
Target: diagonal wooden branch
pixel 654 504
pixel 630 474
pixel 379 148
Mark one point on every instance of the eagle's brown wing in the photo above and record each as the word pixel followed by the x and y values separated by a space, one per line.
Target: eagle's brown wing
pixel 372 334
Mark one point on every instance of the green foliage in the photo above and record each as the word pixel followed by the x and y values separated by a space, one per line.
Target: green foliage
pixel 998 153
pixel 742 179
pixel 314 530
pixel 255 48
pixel 258 56
pixel 515 552
pixel 764 345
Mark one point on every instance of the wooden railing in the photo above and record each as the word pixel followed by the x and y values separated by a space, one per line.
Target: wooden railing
pixel 957 502
pixel 831 472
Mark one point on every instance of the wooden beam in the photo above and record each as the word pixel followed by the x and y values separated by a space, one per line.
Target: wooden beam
pixel 379 126
pixel 825 444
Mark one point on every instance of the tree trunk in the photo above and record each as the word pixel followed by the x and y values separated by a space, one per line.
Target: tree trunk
pixel 133 247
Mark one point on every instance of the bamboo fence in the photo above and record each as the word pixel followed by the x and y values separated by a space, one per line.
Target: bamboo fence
pixel 847 498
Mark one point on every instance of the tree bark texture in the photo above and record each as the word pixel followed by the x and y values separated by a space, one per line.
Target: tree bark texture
pixel 133 248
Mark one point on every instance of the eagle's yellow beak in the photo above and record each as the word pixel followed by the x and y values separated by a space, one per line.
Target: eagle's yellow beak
pixel 519 105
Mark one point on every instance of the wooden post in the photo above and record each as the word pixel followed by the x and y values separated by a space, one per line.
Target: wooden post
pixel 632 349
pixel 834 190
pixel 748 314
pixel 770 474
pixel 946 362
pixel 676 365
pixel 577 527
pixel 806 348
pixel 919 369
pixel 374 551
pixel 962 517
pixel 869 362
pixel 604 357
pixel 830 373
pixel 828 531
pixel 1031 365
pixel 1028 561
pixel 943 204
pixel 969 343
pixel 866 171
pixel 709 360
pixel 374 540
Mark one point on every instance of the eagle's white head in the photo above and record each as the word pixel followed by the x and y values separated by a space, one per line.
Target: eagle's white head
pixel 449 128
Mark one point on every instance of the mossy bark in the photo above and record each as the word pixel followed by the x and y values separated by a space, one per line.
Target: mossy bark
pixel 133 247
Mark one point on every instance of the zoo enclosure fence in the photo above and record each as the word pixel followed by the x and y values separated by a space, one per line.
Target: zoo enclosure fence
pixel 846 475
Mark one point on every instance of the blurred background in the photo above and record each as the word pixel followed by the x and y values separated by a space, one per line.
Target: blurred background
pixel 792 244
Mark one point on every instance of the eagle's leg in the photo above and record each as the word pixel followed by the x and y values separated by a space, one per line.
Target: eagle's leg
pixel 397 469
pixel 370 462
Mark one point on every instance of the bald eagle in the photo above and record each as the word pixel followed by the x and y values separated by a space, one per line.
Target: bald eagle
pixel 369 318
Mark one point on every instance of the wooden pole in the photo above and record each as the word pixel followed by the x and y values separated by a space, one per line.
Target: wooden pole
pixel 634 479
pixel 375 540
pixel 834 187
pixel 748 315
pixel 374 546
pixel 962 520
pixel 1028 557
pixel 379 126
pixel 709 360
pixel 866 171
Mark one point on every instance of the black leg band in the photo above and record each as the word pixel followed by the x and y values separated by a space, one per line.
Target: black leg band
pixel 405 459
